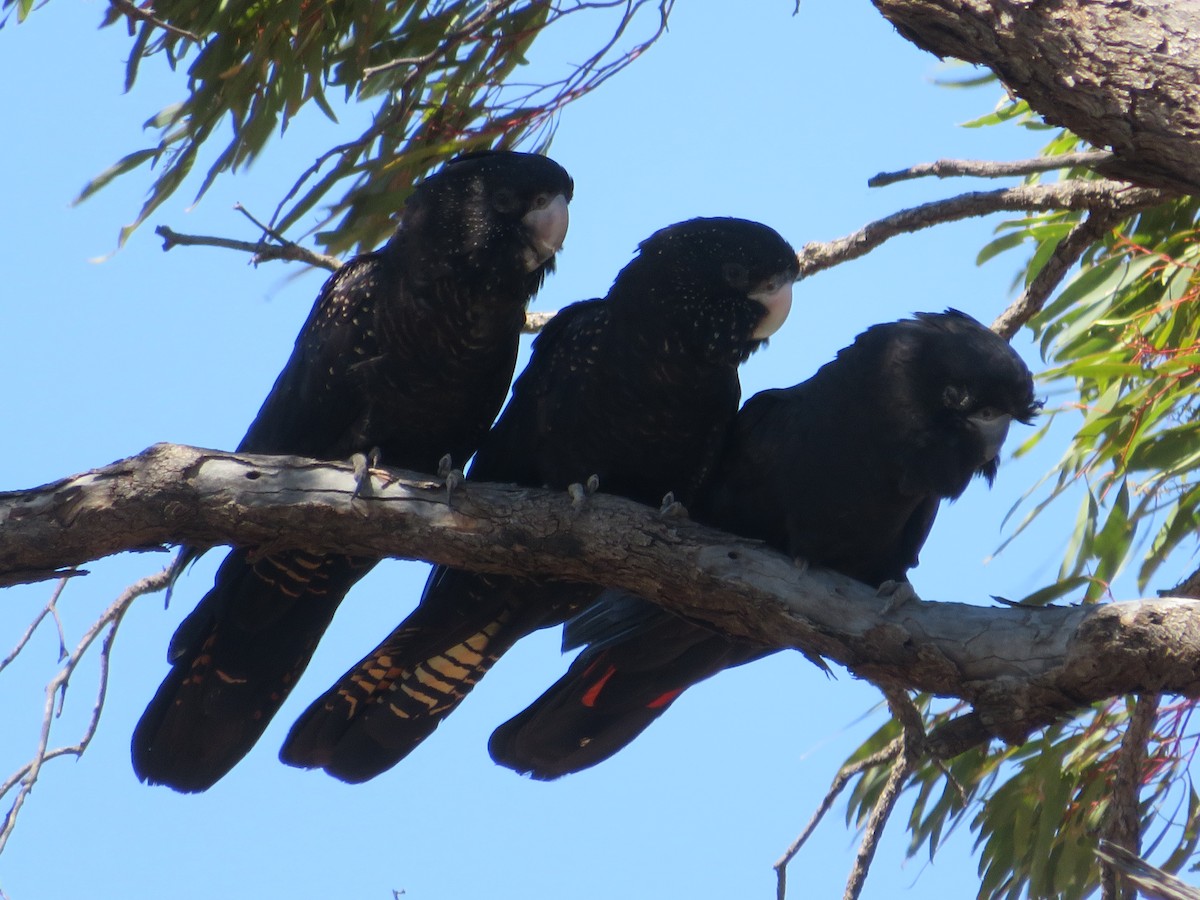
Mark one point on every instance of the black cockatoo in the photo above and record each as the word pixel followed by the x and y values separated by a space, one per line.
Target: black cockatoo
pixel 845 471
pixel 637 389
pixel 408 352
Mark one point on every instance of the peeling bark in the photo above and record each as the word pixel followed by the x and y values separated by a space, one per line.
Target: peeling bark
pixel 1118 73
pixel 1020 668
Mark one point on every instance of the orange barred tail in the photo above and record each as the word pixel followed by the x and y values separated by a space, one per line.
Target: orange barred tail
pixel 392 700
pixel 385 706
pixel 234 660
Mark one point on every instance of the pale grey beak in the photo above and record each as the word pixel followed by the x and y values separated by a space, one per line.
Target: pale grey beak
pixel 993 429
pixel 547 229
pixel 778 304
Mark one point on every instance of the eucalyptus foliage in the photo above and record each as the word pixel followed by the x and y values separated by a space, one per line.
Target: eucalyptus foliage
pixel 438 73
pixel 1122 344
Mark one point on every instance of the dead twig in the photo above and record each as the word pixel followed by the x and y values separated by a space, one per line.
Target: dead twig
pixel 978 168
pixel 843 777
pixel 1065 255
pixel 260 250
pixel 913 744
pixel 26 775
pixel 1076 195
pixel 49 609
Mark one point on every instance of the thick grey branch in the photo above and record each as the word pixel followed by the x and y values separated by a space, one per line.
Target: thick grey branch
pixel 1019 667
pixel 1120 75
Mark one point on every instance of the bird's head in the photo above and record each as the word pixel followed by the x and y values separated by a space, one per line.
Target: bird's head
pixel 715 287
pixel 494 207
pixel 958 386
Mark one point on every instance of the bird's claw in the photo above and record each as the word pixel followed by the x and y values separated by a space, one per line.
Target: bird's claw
pixel 672 508
pixel 897 593
pixel 580 492
pixel 449 475
pixel 366 464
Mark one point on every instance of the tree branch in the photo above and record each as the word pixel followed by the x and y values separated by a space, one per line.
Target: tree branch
pixel 1123 824
pixel 976 168
pixel 133 11
pixel 1019 667
pixel 1119 75
pixel 912 743
pixel 26 775
pixel 260 251
pixel 845 774
pixel 1077 195
pixel 1065 255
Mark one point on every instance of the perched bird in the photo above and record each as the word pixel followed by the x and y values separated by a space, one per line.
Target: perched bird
pixel 407 354
pixel 637 389
pixel 845 471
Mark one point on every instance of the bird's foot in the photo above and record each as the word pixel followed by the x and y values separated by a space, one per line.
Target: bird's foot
pixel 580 492
pixel 450 476
pixel 897 593
pixel 364 464
pixel 801 564
pixel 672 508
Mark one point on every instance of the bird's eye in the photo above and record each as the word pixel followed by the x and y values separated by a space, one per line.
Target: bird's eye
pixel 736 275
pixel 541 201
pixel 505 200
pixel 956 398
pixel 988 413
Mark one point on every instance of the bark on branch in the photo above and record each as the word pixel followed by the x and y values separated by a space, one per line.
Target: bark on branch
pixel 1019 667
pixel 1120 75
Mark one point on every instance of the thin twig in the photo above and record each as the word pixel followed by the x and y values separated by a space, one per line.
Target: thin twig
pixel 534 321
pixel 510 118
pixel 843 777
pixel 262 251
pixel 107 624
pixel 147 15
pixel 1065 255
pixel 1081 195
pixel 913 742
pixel 447 42
pixel 37 620
pixel 977 168
pixel 1122 825
pixel 266 229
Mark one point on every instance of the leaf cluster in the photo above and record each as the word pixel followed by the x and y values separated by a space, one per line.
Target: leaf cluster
pixel 438 72
pixel 1122 343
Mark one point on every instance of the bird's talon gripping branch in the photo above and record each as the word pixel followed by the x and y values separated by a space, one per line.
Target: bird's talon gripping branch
pixel 580 492
pixel 577 493
pixel 672 508
pixel 449 475
pixel 897 593
pixel 362 475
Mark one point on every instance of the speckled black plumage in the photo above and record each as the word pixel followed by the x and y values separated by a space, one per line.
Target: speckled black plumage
pixel 637 389
pixel 409 351
pixel 845 470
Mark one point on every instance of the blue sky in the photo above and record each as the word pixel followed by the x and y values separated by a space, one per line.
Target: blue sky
pixel 764 115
